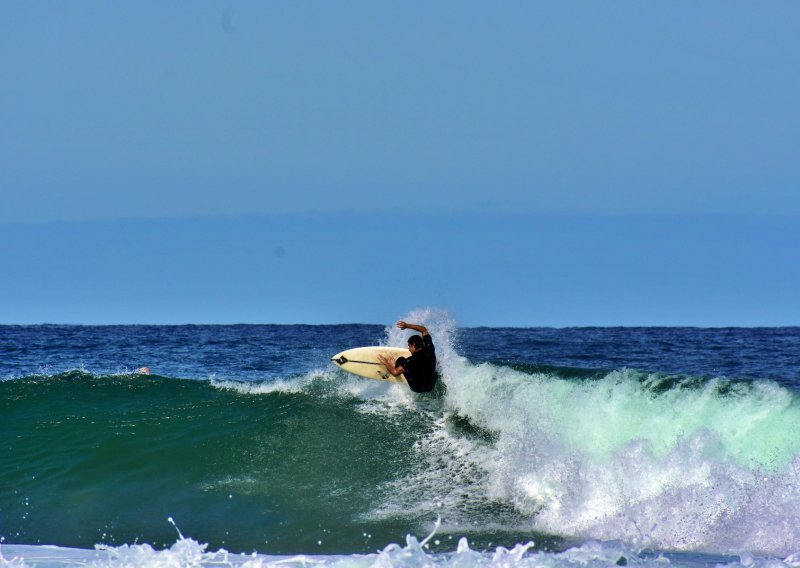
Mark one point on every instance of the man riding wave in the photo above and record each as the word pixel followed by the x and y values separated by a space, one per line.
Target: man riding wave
pixel 419 370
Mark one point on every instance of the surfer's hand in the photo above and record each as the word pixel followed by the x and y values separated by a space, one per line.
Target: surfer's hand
pixel 402 325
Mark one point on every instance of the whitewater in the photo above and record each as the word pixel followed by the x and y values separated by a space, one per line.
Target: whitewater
pixel 544 449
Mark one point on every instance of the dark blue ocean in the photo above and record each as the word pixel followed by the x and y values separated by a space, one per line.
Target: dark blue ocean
pixel 246 446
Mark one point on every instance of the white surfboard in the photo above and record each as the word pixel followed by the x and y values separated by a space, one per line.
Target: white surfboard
pixel 364 362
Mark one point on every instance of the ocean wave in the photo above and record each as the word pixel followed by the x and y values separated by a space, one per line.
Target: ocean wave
pixel 655 461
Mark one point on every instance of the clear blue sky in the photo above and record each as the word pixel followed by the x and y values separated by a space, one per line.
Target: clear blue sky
pixel 518 163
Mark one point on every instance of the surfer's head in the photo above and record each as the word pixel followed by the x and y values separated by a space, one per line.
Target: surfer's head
pixel 415 343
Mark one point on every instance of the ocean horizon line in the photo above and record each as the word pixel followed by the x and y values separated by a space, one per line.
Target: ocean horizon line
pixel 374 324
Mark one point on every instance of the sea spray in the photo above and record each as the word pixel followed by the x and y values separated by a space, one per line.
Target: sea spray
pixel 696 466
pixel 441 327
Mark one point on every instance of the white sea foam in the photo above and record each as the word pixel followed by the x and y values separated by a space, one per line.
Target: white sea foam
pixel 187 552
pixel 296 384
pixel 690 469
pixel 662 462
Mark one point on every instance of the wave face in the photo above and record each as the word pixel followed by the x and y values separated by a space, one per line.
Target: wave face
pixel 315 461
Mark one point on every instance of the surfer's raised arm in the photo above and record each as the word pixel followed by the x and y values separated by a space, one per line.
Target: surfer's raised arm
pixel 420 328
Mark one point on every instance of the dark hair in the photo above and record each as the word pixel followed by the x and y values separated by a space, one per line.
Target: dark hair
pixel 416 341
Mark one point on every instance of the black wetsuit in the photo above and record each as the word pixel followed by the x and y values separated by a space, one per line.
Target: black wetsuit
pixel 420 369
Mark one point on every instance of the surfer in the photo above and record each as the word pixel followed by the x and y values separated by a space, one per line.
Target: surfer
pixel 419 370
